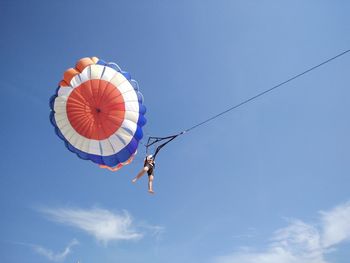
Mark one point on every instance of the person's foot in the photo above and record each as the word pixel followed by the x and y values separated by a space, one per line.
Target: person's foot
pixel 134 180
pixel 151 191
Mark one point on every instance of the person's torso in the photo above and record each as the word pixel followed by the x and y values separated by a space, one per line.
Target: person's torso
pixel 150 168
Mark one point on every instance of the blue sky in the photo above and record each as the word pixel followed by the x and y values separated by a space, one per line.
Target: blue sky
pixel 267 182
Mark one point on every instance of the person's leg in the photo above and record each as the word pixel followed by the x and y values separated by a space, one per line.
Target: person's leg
pixel 150 184
pixel 140 174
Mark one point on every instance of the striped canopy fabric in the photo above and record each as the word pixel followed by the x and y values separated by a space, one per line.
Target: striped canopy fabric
pixel 98 112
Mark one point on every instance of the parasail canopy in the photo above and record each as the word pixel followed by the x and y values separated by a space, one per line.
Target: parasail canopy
pixel 98 112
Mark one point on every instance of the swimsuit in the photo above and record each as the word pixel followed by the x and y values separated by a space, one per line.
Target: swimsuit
pixel 150 169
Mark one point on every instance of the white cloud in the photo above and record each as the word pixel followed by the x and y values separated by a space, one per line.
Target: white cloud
pixel 300 242
pixel 56 257
pixel 102 224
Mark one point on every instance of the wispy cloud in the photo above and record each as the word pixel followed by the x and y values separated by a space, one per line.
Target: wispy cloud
pixel 250 233
pixel 154 231
pixel 52 256
pixel 48 253
pixel 102 224
pixel 300 242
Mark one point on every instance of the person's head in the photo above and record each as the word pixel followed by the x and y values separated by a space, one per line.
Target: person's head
pixel 149 158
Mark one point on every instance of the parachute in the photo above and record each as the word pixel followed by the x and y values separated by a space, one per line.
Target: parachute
pixel 98 112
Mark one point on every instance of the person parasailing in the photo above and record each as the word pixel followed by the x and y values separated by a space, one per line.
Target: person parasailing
pixel 148 166
pixel 149 162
